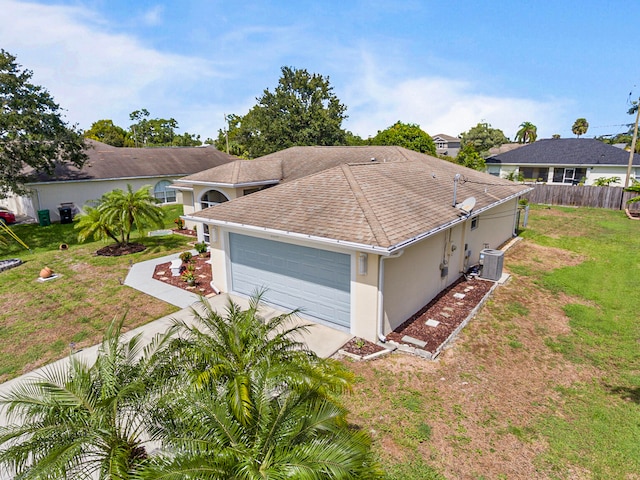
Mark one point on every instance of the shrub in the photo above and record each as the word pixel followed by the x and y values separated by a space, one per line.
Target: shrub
pixel 186 257
pixel 200 247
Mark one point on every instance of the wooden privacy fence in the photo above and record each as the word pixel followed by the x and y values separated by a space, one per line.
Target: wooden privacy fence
pixel 583 196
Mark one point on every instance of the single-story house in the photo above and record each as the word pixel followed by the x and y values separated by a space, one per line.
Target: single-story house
pixel 564 161
pixel 446 145
pixel 108 168
pixel 361 245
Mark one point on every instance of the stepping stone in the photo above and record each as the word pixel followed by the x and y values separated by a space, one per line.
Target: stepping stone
pixel 432 323
pixel 459 296
pixel 161 273
pixel 445 314
pixel 469 288
pixel 163 279
pixel 415 341
pixel 460 303
pixel 448 309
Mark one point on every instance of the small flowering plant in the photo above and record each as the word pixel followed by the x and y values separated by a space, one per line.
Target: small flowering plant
pixel 179 223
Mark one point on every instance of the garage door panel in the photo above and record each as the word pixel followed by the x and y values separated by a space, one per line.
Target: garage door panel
pixel 317 281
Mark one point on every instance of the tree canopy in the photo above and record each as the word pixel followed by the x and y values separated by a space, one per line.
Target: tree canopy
pixel 33 134
pixel 527 133
pixel 483 137
pixel 106 131
pixel 580 127
pixel 407 135
pixel 301 110
pixel 468 157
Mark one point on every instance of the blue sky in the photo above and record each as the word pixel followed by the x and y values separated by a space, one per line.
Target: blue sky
pixel 443 65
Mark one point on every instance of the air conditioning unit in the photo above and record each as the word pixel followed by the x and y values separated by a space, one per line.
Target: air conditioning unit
pixel 491 262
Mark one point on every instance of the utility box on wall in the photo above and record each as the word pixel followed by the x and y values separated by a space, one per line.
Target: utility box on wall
pixel 491 262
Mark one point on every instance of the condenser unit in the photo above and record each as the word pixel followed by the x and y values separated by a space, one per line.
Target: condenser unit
pixel 491 264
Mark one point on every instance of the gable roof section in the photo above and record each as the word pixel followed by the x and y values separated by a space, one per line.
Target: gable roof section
pixel 380 205
pixel 565 151
pixel 446 138
pixel 107 162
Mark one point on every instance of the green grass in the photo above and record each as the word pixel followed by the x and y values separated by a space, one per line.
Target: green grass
pixel 598 427
pixel 38 321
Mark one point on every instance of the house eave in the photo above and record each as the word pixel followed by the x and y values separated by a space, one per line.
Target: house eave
pixel 233 185
pixel 110 179
pixel 383 251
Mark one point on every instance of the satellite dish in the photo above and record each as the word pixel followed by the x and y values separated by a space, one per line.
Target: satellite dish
pixel 467 205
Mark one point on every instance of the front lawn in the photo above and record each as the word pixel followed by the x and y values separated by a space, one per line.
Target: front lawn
pixel 544 383
pixel 40 321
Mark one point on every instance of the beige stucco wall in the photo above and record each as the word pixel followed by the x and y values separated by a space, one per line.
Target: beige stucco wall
pixel 50 196
pixel 415 278
pixel 410 281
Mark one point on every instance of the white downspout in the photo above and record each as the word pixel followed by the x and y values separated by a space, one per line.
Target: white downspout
pixel 380 325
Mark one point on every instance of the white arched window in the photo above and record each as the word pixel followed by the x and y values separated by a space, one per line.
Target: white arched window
pixel 211 198
pixel 164 194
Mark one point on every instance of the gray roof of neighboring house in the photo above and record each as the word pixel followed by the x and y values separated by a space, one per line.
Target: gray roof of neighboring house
pixel 380 204
pixel 107 162
pixel 504 148
pixel 565 151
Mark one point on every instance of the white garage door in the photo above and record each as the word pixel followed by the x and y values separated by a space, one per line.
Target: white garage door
pixel 317 281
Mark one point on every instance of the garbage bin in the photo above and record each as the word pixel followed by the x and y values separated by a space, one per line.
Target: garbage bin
pixel 43 218
pixel 66 215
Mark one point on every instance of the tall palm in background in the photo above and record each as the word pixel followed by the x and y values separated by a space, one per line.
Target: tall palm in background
pixel 580 127
pixel 528 133
pixel 79 421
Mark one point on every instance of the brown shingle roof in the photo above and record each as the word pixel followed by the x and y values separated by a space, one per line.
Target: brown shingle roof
pixel 291 164
pixel 379 204
pixel 106 162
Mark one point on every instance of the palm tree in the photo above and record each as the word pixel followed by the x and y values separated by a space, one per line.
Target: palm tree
pixel 92 223
pixel 131 209
pixel 580 127
pixel 527 134
pixel 294 435
pixel 80 421
pixel 634 187
pixel 230 351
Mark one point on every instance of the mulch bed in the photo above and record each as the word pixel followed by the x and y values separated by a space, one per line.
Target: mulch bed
pixel 446 309
pixel 117 250
pixel 162 273
pixel 185 231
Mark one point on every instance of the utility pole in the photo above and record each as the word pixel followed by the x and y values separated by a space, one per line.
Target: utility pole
pixel 226 131
pixel 633 145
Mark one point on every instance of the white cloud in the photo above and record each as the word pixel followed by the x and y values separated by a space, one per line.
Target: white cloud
pixel 377 99
pixel 153 16
pixel 92 73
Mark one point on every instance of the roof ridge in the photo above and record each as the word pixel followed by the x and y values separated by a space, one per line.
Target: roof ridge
pixel 236 171
pixel 376 228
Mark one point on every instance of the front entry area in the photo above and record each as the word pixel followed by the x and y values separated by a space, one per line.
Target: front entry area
pixel 314 280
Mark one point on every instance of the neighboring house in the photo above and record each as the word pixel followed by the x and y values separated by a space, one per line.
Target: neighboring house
pixel 362 244
pixel 446 145
pixel 108 168
pixel 564 161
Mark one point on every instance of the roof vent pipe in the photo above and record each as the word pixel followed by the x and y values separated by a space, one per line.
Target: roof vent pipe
pixel 455 188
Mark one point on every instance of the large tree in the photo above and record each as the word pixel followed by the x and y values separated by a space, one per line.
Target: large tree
pixel 157 132
pixel 483 137
pixel 106 131
pixel 407 135
pixel 468 157
pixel 302 110
pixel 527 133
pixel 580 127
pixel 33 134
